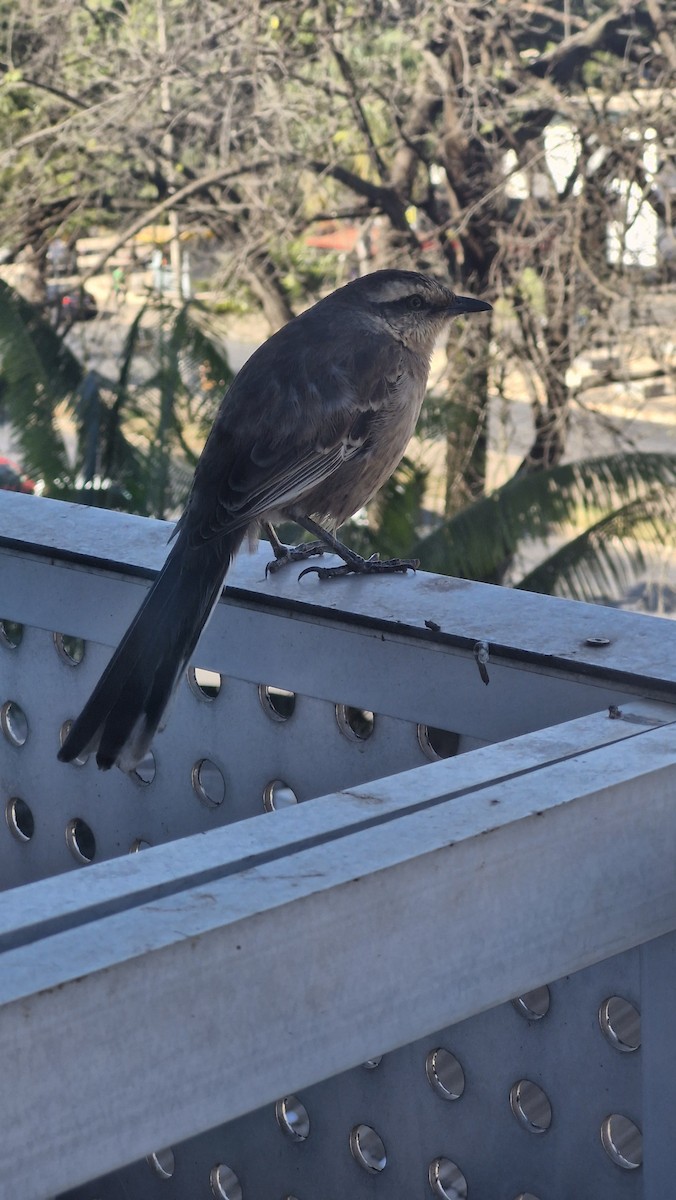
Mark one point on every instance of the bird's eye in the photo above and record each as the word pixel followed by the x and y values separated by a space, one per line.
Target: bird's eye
pixel 415 302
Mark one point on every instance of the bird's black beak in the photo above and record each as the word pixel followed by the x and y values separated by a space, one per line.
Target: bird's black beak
pixel 466 304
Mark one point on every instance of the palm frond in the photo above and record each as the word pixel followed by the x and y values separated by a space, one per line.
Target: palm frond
pixel 478 540
pixel 607 557
pixel 40 373
pixel 203 364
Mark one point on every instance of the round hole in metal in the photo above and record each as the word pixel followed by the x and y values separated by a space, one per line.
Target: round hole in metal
pixel 208 782
pixel 293 1118
pixel 11 633
pixel 620 1023
pixel 63 734
pixel 438 743
pixel 277 794
pixel 447 1180
pixel 533 1005
pixel 530 1106
pixel 368 1149
pixel 80 840
pixel 224 1183
pixel 278 703
pixel 372 1063
pixel 355 723
pixel 20 819
pixel 71 650
pixel 445 1074
pixel 14 723
pixel 204 684
pixel 162 1163
pixel 145 770
pixel 622 1141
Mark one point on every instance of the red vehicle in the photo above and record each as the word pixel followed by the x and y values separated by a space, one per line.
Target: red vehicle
pixel 69 304
pixel 13 479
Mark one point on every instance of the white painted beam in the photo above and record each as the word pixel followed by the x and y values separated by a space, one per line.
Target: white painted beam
pixel 549 631
pixel 129 1029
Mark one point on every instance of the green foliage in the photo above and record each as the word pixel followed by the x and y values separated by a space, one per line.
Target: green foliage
pixel 530 289
pixel 599 70
pixel 622 502
pixel 605 557
pixel 40 374
pixel 160 421
pixel 127 442
pixel 620 505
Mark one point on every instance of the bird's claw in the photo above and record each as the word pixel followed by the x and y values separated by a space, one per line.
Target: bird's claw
pixel 291 554
pixel 364 566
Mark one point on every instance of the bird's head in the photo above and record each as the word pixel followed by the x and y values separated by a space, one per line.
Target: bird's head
pixel 414 307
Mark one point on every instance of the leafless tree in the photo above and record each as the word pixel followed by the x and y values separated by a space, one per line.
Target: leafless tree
pixel 424 126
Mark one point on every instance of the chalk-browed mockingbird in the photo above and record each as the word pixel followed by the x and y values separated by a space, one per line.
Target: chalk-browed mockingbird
pixel 312 426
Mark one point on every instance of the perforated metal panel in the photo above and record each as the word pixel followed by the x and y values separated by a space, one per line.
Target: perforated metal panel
pixel 540 1098
pixel 249 748
pixel 419 1122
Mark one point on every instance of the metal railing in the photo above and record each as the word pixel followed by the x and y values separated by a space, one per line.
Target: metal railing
pixel 393 931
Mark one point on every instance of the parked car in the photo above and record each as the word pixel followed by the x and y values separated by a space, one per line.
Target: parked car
pixel 13 479
pixel 68 304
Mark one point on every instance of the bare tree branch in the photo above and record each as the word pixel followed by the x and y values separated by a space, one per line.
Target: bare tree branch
pixel 662 32
pixel 150 216
pixel 560 62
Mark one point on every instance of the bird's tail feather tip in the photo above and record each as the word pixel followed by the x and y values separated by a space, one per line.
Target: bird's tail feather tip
pixel 74 747
pixel 133 695
pixel 118 744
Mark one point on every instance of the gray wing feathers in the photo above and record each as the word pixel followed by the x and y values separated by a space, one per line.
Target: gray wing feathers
pixel 285 488
pixel 300 462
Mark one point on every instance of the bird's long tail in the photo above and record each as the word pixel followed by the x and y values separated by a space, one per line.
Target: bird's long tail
pixel 123 712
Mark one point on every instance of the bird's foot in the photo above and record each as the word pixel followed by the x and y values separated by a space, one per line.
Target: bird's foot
pixel 291 554
pixel 356 565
